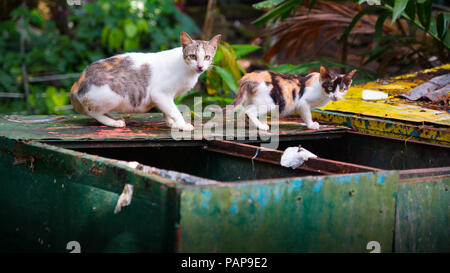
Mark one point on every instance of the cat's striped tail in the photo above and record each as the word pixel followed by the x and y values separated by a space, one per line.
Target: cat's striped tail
pixel 74 97
pixel 241 96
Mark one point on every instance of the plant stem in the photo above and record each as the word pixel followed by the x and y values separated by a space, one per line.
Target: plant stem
pixel 23 66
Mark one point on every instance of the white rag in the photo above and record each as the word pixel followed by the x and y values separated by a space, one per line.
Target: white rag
pixel 295 156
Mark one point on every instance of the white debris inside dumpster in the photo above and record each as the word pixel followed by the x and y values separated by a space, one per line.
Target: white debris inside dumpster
pixel 124 198
pixel 295 156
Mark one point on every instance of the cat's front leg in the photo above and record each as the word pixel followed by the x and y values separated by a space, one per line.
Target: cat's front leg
pixel 168 120
pixel 172 115
pixel 253 113
pixel 305 113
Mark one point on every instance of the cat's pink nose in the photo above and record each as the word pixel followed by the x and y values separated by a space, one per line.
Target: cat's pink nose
pixel 199 66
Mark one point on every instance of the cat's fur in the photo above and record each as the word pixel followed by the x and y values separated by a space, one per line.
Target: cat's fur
pixel 136 82
pixel 291 93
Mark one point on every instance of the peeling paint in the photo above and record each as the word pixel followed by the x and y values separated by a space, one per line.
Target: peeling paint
pixel 317 186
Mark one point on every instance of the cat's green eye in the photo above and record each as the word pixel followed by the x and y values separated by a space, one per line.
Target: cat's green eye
pixel 192 56
pixel 330 88
pixel 207 57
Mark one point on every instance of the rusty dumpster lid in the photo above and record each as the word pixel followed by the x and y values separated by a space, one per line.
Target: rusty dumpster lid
pixel 140 127
pixel 397 106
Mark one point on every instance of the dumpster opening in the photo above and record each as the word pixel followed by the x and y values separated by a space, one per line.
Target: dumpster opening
pixel 376 151
pixel 343 153
pixel 200 162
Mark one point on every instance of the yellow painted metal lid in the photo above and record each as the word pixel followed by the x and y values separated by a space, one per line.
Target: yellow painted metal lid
pixel 394 107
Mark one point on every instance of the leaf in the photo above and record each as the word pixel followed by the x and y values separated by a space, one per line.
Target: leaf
pixel 424 11
pixel 432 27
pixel 212 82
pixel 304 68
pixel 142 25
pixel 227 77
pixel 410 10
pixel 104 37
pixel 355 20
pixel 218 56
pixel 280 11
pixel 267 4
pixel 54 99
pixel 130 29
pixel 130 44
pixel 244 49
pixel 115 38
pixel 186 21
pixel 190 93
pixel 373 50
pixel 312 4
pixel 379 26
pixel 217 99
pixel 442 24
pixel 229 61
pixel 399 7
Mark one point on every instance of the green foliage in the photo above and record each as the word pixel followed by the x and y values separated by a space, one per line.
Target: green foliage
pixel 283 10
pixel 98 29
pixel 418 13
pixel 401 47
pixel 55 99
pixel 304 68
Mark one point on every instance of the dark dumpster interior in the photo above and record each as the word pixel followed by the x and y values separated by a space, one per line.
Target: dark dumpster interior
pixel 228 163
pixel 379 152
pixel 199 162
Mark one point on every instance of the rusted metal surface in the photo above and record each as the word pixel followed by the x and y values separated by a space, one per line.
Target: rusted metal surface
pixel 422 214
pixel 311 214
pixel 56 195
pixel 385 127
pixel 51 196
pixel 418 175
pixel 396 107
pixel 428 87
pixel 318 165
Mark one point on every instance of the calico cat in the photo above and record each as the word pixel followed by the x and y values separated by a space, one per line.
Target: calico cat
pixel 136 82
pixel 291 93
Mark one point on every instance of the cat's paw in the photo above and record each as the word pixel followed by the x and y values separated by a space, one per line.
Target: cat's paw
pixel 184 127
pixel 169 122
pixel 264 127
pixel 188 127
pixel 313 126
pixel 119 123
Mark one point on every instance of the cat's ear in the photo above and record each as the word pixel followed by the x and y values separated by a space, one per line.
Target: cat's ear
pixel 350 75
pixel 185 39
pixel 215 41
pixel 324 73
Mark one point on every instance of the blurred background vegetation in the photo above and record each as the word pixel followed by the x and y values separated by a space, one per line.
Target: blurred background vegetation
pixel 46 44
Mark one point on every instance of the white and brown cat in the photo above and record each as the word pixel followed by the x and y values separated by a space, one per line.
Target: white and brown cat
pixel 292 93
pixel 136 82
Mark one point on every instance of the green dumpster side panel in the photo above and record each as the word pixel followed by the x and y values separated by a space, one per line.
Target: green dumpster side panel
pixel 422 217
pixel 50 196
pixel 322 214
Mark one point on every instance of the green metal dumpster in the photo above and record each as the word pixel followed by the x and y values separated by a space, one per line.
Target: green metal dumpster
pixel 61 181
